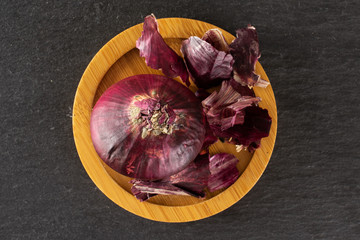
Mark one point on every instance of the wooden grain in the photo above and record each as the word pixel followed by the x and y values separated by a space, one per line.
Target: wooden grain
pixel 119 59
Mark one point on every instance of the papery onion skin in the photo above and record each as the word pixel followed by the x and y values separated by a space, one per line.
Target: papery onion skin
pixel 144 190
pixel 246 52
pixel 243 90
pixel 194 178
pixel 225 107
pixel 216 39
pixel 236 117
pixel 158 54
pixel 118 138
pixel 223 171
pixel 142 196
pixel 207 66
pixel 257 123
pixel 191 181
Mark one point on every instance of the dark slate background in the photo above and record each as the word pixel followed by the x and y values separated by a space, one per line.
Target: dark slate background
pixel 311 53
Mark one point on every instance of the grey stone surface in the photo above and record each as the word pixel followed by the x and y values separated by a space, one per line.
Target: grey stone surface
pixel 310 51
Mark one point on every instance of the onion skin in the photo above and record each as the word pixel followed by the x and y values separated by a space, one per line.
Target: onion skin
pixel 223 171
pixel 245 51
pixel 191 181
pixel 207 66
pixel 243 90
pixel 256 126
pixel 157 54
pixel 216 39
pixel 233 116
pixel 118 138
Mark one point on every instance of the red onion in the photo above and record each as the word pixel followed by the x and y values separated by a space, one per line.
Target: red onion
pixel 148 127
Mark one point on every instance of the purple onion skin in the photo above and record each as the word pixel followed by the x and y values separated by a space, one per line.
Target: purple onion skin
pixel 158 54
pixel 223 171
pixel 243 90
pixel 119 141
pixel 144 190
pixel 246 52
pixel 202 94
pixel 142 196
pixel 237 117
pixel 256 125
pixel 207 66
pixel 216 39
pixel 194 177
pixel 210 138
pixel 191 181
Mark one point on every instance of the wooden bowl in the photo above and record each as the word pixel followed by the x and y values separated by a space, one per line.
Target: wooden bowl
pixel 119 59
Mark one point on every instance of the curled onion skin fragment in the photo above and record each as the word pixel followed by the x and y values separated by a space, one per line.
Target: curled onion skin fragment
pixel 147 127
pixel 245 50
pixel 144 190
pixel 216 39
pixel 158 54
pixel 210 138
pixel 225 108
pixel 191 181
pixel 142 196
pixel 194 178
pixel 207 66
pixel 243 90
pixel 223 171
pixel 236 117
pixel 256 126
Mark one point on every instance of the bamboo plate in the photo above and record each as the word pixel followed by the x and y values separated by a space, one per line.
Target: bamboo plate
pixel 119 59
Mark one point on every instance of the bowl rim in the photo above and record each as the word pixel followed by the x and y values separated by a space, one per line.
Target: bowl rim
pixel 82 107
